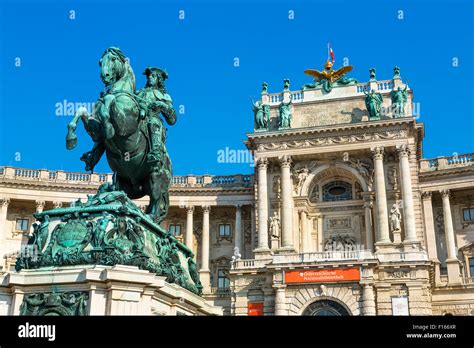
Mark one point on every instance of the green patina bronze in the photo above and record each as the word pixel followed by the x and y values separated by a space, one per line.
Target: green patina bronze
pixel 399 100
pixel 285 115
pixel 71 303
pixel 373 102
pixel 262 115
pixel 110 229
pixel 126 126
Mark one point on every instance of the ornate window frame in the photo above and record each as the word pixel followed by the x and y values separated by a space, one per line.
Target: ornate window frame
pixel 468 254
pixel 228 237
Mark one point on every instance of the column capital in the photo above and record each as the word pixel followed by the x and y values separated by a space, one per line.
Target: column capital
pixel 285 161
pixel 262 162
pixel 426 195
pixel 368 203
pixel 377 152
pixel 39 204
pixel 206 209
pixel 446 194
pixel 57 204
pixel 4 202
pixel 190 209
pixel 238 206
pixel 303 210
pixel 403 150
pixel 279 286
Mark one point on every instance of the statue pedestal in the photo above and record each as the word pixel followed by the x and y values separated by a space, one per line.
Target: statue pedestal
pixel 275 243
pixel 397 237
pixel 96 290
pixel 108 229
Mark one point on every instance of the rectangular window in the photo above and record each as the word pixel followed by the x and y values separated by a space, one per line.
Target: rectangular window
pixel 471 266
pixel 222 281
pixel 468 214
pixel 175 229
pixel 22 225
pixel 224 230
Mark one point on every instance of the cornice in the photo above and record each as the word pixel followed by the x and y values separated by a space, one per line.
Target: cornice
pixel 389 124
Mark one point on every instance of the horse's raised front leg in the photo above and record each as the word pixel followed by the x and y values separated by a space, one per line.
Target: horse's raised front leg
pixel 91 125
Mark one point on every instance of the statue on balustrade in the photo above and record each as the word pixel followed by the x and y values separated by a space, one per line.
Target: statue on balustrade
pixel 261 114
pixel 373 102
pixel 372 73
pixel 285 115
pixel 395 218
pixel 396 72
pixel 399 100
pixel 328 78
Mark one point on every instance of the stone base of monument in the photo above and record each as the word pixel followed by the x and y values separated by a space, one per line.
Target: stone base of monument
pixel 108 230
pixel 96 290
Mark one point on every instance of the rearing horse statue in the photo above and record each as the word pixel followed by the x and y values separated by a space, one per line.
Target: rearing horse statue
pixel 118 127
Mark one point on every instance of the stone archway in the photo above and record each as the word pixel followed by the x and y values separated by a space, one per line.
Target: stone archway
pixel 325 308
pixel 306 295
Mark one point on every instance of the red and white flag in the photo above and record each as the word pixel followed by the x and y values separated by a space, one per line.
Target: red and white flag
pixel 331 53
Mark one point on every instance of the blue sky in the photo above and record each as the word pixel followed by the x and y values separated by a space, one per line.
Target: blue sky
pixel 59 62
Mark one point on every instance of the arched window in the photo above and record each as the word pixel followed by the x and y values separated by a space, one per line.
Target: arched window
pixel 337 191
pixel 325 308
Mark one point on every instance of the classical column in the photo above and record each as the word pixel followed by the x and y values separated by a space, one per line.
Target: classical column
pixel 380 196
pixel 429 225
pixel 238 228
pixel 39 206
pixel 204 271
pixel 368 300
pixel 280 300
pixel 262 164
pixel 452 262
pixel 320 235
pixel 430 233
pixel 369 237
pixel 252 228
pixel 4 202
pixel 407 194
pixel 304 230
pixel 286 204
pixel 189 227
pixel 448 225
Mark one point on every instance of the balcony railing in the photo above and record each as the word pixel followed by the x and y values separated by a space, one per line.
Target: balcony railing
pixel 59 176
pixel 220 292
pixel 322 256
pixel 278 259
pixel 448 162
pixel 250 263
pixel 298 96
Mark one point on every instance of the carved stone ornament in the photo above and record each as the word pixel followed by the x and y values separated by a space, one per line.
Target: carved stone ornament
pixel 72 303
pixel 329 140
pixel 109 229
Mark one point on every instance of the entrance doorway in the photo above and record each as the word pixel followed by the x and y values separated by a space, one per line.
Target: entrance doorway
pixel 325 308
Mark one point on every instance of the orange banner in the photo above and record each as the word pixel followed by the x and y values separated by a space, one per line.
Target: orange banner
pixel 322 276
pixel 255 309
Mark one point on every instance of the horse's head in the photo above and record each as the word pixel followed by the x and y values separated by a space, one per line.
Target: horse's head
pixel 114 66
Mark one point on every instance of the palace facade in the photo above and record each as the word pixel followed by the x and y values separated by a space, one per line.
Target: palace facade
pixel 343 215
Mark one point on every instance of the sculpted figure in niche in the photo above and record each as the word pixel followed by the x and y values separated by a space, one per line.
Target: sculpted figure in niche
pixel 395 218
pixel 275 226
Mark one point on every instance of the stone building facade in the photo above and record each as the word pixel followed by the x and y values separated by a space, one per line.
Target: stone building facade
pixel 343 215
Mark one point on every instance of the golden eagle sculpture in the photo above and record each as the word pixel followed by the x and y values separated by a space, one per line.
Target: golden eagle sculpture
pixel 328 76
